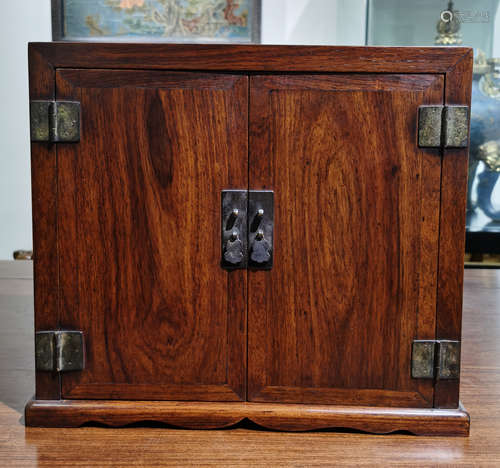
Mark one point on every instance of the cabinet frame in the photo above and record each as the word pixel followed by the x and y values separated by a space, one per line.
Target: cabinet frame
pixel 455 64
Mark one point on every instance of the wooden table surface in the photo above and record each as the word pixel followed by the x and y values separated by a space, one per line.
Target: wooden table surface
pixel 249 446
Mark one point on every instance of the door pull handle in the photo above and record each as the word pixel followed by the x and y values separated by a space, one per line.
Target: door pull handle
pixel 233 251
pixel 261 249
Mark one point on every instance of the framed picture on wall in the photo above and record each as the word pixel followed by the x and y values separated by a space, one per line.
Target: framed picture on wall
pixel 156 20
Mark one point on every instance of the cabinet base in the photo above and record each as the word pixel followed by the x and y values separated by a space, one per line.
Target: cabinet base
pixel 284 417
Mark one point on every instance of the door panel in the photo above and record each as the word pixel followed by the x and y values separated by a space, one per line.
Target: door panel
pixel 138 234
pixel 355 238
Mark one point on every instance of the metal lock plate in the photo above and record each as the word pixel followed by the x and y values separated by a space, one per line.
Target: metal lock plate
pixel 260 229
pixel 234 242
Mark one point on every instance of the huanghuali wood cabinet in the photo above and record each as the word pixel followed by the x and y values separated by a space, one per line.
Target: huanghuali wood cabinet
pixel 239 231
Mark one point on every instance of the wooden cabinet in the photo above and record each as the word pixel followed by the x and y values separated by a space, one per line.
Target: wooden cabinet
pixel 349 320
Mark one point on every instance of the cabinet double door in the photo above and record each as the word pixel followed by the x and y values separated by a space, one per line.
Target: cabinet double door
pixel 356 221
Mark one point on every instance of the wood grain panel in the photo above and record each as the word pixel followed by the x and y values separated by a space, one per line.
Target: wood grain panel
pixel 452 231
pixel 273 58
pixel 44 209
pixel 356 232
pixel 208 415
pixel 138 217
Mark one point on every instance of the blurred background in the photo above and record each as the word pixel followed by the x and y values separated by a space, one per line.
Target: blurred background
pixel 319 22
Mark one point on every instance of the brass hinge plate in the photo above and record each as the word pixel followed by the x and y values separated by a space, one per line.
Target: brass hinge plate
pixel 59 351
pixel 439 359
pixel 55 121
pixel 443 126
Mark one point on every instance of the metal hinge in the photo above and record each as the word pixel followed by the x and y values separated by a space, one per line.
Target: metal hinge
pixel 59 351
pixel 55 121
pixel 439 359
pixel 443 126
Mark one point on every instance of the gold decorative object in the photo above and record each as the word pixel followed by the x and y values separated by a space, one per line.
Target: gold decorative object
pixel 448 28
pixel 489 153
pixel 23 255
pixel 490 82
pixel 481 65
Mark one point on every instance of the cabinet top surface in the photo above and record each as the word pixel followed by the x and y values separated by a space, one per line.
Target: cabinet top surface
pixel 255 57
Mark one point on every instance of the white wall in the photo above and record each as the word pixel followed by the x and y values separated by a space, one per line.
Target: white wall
pixel 22 21
pixel 496 35
pixel 315 22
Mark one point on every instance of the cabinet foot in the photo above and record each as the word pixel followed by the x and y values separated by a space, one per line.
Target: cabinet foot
pixel 286 417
